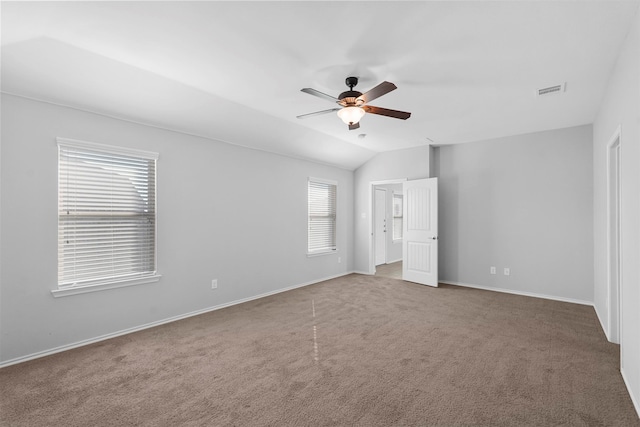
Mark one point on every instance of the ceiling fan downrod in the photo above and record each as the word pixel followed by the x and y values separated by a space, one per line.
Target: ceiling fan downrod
pixel 351 82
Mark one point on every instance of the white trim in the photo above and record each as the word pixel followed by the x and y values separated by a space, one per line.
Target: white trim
pixel 321 253
pixel 389 181
pixel 395 260
pixel 635 401
pixel 322 180
pixel 75 290
pixel 364 273
pixel 615 140
pixel 522 293
pixel 76 143
pixel 159 322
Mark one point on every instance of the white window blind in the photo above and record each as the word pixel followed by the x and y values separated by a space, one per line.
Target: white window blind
pixel 322 216
pixel 106 214
pixel 397 216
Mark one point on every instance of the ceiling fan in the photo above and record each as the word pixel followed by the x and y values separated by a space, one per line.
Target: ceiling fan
pixel 353 103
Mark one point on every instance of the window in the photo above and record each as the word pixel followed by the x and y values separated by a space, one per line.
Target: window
pixel 397 216
pixel 322 216
pixel 106 217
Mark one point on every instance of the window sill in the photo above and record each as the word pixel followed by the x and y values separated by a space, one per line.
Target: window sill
pixel 315 254
pixel 104 286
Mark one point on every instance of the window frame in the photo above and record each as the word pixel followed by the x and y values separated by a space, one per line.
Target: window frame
pixel 108 282
pixel 330 249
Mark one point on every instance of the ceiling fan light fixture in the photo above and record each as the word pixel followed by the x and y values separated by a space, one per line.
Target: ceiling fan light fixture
pixel 350 115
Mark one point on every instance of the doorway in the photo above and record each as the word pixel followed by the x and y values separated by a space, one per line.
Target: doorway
pixel 377 235
pixel 613 237
pixel 380 226
pixel 417 242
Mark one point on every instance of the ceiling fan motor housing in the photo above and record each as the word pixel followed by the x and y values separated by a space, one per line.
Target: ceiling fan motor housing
pixel 351 98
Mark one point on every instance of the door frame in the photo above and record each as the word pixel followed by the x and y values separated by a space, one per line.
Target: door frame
pixel 372 185
pixel 614 254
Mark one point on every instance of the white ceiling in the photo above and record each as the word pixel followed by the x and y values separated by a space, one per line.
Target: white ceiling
pixel 233 71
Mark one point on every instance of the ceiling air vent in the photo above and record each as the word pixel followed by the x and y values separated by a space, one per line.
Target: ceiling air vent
pixel 551 90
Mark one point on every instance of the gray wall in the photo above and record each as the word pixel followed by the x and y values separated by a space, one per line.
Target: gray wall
pixel 620 107
pixel 224 212
pixel 522 202
pixel 411 163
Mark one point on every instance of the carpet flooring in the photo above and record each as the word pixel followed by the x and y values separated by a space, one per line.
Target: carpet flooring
pixel 353 351
pixel 391 271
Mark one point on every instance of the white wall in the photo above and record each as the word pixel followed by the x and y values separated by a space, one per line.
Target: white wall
pixel 411 163
pixel 224 212
pixel 522 202
pixel 620 107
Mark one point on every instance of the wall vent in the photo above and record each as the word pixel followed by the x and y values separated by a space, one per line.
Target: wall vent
pixel 551 90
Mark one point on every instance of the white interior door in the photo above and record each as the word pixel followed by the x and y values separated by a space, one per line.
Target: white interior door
pixel 420 231
pixel 380 226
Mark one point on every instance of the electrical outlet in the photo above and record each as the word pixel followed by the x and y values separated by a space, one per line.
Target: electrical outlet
pixel 507 271
pixel 339 260
pixel 214 284
pixel 492 270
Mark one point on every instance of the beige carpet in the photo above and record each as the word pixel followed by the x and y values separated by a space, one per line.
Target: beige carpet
pixel 354 351
pixel 391 271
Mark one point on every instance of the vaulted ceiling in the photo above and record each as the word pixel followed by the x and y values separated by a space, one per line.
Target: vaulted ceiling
pixel 232 71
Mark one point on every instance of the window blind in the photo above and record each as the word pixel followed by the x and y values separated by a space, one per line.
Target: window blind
pixel 106 214
pixel 322 216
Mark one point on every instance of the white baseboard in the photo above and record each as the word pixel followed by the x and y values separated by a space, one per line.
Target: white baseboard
pixel 523 293
pixel 636 405
pixel 82 343
pixel 391 261
pixel 366 273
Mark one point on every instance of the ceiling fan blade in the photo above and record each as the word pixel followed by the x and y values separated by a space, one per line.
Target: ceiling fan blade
pixel 386 112
pixel 319 94
pixel 354 126
pixel 318 113
pixel 382 89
